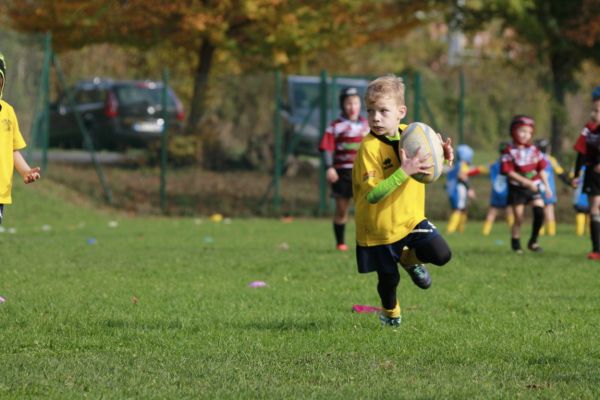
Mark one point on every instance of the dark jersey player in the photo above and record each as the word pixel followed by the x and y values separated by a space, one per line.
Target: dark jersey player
pixel 588 155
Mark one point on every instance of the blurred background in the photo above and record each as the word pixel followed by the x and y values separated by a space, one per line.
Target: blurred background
pixel 196 107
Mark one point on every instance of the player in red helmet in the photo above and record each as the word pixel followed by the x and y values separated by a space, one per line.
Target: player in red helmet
pixel 524 165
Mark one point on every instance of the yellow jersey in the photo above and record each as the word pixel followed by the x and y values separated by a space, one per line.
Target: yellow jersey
pixel 10 140
pixel 396 215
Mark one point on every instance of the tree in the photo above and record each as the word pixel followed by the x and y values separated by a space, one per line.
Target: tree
pixel 563 34
pixel 256 33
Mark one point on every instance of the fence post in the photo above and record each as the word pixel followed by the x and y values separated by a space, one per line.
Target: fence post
pixel 45 119
pixel 322 127
pixel 417 97
pixel 164 141
pixel 278 140
pixel 40 124
pixel 461 107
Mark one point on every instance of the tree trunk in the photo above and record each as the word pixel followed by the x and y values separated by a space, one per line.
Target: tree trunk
pixel 205 55
pixel 561 76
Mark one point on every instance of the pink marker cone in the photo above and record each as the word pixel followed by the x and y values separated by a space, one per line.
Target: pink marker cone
pixel 357 308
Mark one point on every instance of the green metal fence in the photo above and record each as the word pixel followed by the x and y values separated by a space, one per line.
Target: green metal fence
pixel 246 125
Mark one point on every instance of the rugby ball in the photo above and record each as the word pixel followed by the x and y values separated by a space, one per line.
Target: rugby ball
pixel 419 135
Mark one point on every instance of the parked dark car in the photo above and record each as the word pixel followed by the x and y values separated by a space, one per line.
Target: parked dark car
pixel 118 114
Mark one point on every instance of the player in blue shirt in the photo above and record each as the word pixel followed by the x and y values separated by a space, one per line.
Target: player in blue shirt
pixel 498 195
pixel 553 169
pixel 458 188
pixel 581 206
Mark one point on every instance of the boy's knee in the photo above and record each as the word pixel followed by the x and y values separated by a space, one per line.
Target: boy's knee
pixel 439 257
pixel 435 252
pixel 444 257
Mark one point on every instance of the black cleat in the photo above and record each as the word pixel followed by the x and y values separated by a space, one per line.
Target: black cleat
pixel 389 321
pixel 419 275
pixel 533 246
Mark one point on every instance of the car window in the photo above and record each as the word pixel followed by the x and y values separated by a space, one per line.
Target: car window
pixel 304 92
pixel 86 96
pixel 305 95
pixel 128 95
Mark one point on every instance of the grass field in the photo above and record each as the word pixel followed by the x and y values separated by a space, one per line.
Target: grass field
pixel 100 305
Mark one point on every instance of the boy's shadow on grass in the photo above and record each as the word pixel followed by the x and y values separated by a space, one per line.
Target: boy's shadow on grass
pixel 147 325
pixel 283 326
pixel 166 325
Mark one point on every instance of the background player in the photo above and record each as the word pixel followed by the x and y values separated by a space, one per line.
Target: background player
pixel 524 165
pixel 339 145
pixel 588 154
pixel 498 195
pixel 581 205
pixel 458 188
pixel 553 169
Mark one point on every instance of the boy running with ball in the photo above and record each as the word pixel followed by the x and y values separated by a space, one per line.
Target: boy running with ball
pixel 391 227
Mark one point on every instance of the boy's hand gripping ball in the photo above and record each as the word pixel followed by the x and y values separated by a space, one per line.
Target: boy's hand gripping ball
pixel 421 136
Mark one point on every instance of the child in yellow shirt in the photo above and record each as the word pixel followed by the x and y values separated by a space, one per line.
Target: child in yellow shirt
pixel 391 227
pixel 11 141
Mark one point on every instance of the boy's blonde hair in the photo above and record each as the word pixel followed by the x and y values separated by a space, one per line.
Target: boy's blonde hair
pixel 386 86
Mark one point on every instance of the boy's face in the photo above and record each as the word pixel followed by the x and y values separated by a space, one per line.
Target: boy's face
pixel 352 107
pixel 524 134
pixel 384 115
pixel 595 113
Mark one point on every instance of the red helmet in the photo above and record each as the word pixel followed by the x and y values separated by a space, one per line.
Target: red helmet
pixel 518 121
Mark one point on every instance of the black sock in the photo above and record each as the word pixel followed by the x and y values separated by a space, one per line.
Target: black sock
pixel 595 232
pixel 538 221
pixel 515 243
pixel 338 229
pixel 386 287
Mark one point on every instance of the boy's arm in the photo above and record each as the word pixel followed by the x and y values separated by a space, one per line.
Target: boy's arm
pixel 330 172
pixel 29 174
pixel 560 171
pixel 544 177
pixel 387 186
pixel 409 166
pixel 579 163
pixel 528 183
pixel 448 150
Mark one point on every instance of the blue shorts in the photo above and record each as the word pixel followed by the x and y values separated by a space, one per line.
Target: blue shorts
pixel 385 257
pixel 498 200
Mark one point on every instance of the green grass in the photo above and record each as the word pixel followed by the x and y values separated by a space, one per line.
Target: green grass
pixel 160 308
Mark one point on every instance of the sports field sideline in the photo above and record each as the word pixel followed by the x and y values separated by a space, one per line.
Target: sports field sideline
pixel 99 304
